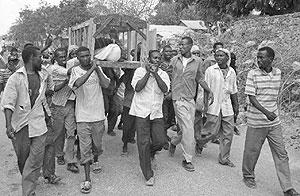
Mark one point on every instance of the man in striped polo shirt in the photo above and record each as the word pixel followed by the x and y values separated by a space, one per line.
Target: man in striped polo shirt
pixel 262 87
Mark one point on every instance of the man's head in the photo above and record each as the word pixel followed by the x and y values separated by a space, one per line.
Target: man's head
pixel 174 52
pixel 28 44
pixel 60 55
pixel 167 52
pixel 222 57
pixel 84 56
pixel 154 57
pixel 185 45
pixel 12 63
pixel 32 56
pixel 14 52
pixel 217 46
pixel 265 57
pixel 196 51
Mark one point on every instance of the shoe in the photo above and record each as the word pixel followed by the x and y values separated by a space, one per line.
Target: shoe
pixel 150 182
pixel 227 163
pixel 111 133
pixel 53 179
pixel 132 141
pixel 215 141
pixel 85 187
pixel 124 150
pixel 72 167
pixel 61 160
pixel 198 150
pixel 291 192
pixel 236 131
pixel 188 166
pixel 250 182
pixel 172 149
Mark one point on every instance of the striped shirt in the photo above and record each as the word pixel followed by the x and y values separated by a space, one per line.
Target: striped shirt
pixel 265 87
pixel 4 75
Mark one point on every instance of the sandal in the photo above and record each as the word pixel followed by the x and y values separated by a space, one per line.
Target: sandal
pixel 97 168
pixel 72 167
pixel 53 179
pixel 85 187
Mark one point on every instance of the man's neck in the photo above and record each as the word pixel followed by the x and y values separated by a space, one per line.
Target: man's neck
pixel 29 69
pixel 86 67
pixel 223 66
pixel 268 69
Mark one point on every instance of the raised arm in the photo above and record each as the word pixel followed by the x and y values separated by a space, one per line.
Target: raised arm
pixel 81 80
pixel 103 80
pixel 140 79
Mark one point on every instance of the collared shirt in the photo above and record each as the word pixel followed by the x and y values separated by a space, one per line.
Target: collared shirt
pixel 265 87
pixel 59 75
pixel 89 98
pixel 222 89
pixel 150 99
pixel 16 98
pixel 185 80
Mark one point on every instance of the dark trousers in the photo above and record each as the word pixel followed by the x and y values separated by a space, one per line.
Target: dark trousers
pixel 30 155
pixel 255 138
pixel 113 108
pixel 169 113
pixel 128 126
pixel 150 138
pixel 49 156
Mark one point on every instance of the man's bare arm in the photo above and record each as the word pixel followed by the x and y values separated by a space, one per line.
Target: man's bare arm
pixel 80 81
pixel 104 81
pixel 270 115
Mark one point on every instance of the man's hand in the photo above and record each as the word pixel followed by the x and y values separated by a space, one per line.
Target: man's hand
pixel 153 68
pixel 210 98
pixel 10 132
pixel 147 67
pixel 271 116
pixel 94 66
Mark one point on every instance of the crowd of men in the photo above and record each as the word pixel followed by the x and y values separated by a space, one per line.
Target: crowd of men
pixel 50 108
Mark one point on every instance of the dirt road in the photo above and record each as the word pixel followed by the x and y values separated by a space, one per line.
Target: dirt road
pixel 122 175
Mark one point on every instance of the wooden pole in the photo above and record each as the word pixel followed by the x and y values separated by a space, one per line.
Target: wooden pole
pixel 135 46
pixel 128 44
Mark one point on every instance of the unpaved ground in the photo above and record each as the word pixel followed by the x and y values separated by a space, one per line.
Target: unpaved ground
pixel 122 175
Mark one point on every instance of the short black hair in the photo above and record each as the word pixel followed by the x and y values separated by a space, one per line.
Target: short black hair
pixel 28 44
pixel 59 50
pixel 270 51
pixel 167 46
pixel 81 49
pixel 190 40
pixel 28 52
pixel 217 44
pixel 152 51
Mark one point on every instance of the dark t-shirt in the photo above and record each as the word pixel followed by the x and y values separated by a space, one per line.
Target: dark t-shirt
pixel 34 86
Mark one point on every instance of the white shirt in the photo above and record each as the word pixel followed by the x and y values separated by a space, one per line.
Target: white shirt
pixel 185 62
pixel 222 89
pixel 150 99
pixel 89 98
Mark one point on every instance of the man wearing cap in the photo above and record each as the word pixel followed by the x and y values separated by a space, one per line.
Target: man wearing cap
pixel 221 79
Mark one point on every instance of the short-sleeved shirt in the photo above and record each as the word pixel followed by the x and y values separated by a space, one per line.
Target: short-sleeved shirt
pixel 185 80
pixel 149 100
pixel 89 97
pixel 222 87
pixel 265 87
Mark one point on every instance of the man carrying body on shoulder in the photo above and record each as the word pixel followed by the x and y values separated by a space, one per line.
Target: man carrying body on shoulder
pixel 150 84
pixel 262 87
pixel 86 80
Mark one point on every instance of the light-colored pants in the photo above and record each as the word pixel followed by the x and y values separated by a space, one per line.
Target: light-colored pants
pixel 64 124
pixel 222 127
pixel 255 138
pixel 30 155
pixel 185 114
pixel 90 140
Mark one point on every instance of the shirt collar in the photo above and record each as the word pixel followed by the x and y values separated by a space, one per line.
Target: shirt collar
pixel 181 57
pixel 216 66
pixel 273 72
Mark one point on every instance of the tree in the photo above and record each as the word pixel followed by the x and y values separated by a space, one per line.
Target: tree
pixel 137 8
pixel 166 14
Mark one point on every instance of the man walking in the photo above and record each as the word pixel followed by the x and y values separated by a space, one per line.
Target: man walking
pixel 86 80
pixel 187 74
pixel 25 118
pixel 63 111
pixel 262 87
pixel 221 79
pixel 150 83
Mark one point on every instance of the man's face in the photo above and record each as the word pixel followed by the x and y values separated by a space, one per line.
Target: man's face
pixel 14 53
pixel 84 58
pixel 217 47
pixel 184 46
pixel 221 57
pixel 37 61
pixel 167 53
pixel 155 58
pixel 263 60
pixel 61 58
pixel 196 53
